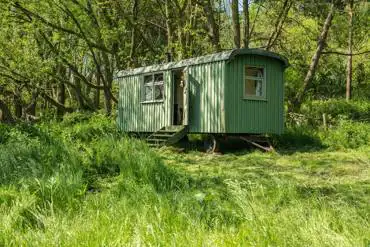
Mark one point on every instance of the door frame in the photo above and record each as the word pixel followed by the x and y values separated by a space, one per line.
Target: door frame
pixel 186 92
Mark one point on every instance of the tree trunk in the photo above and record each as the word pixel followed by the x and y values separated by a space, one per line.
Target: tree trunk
pixel 45 103
pixel 314 62
pixel 169 27
pixel 107 82
pixel 61 99
pixel 18 107
pixel 31 108
pixel 279 24
pixel 135 7
pixel 61 89
pixel 213 28
pixel 78 92
pixel 6 115
pixel 236 22
pixel 97 92
pixel 246 23
pixel 108 101
pixel 349 61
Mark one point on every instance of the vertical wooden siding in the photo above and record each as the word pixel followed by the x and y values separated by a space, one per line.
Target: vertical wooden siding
pixel 207 98
pixel 134 116
pixel 254 116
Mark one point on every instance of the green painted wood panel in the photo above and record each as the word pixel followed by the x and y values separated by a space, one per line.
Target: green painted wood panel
pixel 134 116
pixel 206 98
pixel 206 112
pixel 216 100
pixel 254 116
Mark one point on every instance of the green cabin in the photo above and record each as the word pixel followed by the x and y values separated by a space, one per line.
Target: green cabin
pixel 240 91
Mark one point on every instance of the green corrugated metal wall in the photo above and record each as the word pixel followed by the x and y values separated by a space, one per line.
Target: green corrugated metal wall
pixel 254 116
pixel 207 97
pixel 134 116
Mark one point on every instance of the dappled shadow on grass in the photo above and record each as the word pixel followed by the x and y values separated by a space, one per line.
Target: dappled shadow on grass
pixel 355 194
pixel 314 174
pixel 293 141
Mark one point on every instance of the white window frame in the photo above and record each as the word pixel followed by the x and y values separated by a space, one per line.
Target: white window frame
pixel 152 84
pixel 245 77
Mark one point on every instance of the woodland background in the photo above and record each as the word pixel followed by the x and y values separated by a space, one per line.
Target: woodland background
pixel 69 177
pixel 59 56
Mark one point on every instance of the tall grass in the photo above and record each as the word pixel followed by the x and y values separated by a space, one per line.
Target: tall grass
pixel 82 183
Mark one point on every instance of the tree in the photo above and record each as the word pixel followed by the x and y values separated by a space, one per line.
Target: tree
pixel 236 22
pixel 246 23
pixel 279 23
pixel 349 59
pixel 314 61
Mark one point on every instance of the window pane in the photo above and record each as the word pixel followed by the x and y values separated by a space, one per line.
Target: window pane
pixel 158 92
pixel 148 93
pixel 148 79
pixel 158 77
pixel 254 72
pixel 258 88
pixel 253 87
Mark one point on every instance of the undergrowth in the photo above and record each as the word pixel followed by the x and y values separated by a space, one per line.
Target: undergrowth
pixel 81 182
pixel 347 126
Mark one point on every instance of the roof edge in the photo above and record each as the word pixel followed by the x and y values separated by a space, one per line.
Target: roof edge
pixel 221 56
pixel 256 51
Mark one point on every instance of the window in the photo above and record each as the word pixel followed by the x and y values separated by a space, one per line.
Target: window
pixel 254 82
pixel 153 88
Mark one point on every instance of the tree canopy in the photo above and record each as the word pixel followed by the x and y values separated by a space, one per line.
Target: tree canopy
pixel 60 56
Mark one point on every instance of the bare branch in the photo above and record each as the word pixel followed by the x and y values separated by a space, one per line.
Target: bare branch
pixel 58 27
pixel 346 54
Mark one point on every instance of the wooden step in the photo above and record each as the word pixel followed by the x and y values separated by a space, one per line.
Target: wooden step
pixel 161 135
pixel 156 140
pixel 166 136
pixel 166 131
pixel 152 145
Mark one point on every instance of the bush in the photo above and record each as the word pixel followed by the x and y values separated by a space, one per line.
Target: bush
pixel 41 164
pixel 336 109
pixel 75 117
pixel 297 137
pixel 90 127
pixel 4 133
pixel 345 134
pixel 348 134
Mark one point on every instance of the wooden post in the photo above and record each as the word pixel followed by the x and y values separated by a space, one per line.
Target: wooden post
pixel 324 121
pixel 349 61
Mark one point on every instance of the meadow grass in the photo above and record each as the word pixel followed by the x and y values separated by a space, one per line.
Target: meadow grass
pixel 83 184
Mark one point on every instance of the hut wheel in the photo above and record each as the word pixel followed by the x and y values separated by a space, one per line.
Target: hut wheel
pixel 210 144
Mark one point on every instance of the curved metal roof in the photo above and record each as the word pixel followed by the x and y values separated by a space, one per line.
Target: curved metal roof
pixel 221 56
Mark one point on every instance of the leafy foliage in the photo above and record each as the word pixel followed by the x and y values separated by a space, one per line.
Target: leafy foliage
pixel 336 109
pixel 59 57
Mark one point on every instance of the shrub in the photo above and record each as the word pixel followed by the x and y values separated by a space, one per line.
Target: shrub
pixel 348 134
pixel 4 133
pixel 336 109
pixel 297 137
pixel 92 127
pixel 75 117
pixel 41 164
pixel 345 134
